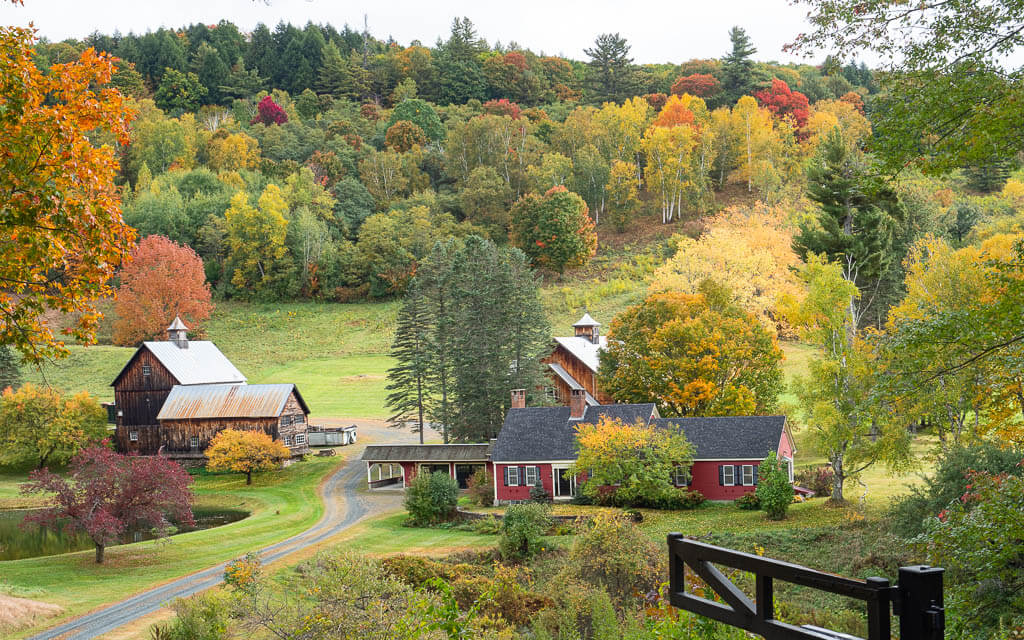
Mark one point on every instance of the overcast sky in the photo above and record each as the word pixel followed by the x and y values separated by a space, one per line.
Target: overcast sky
pixel 662 31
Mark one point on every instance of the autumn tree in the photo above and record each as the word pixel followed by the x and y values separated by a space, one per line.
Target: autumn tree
pixel 784 102
pixel 269 112
pixel 639 460
pixel 404 135
pixel 39 425
pixel 486 199
pixel 668 151
pixel 692 355
pixel 245 451
pixel 623 197
pixel 420 113
pixel 163 280
pixel 554 230
pixel 58 194
pixel 846 422
pixel 702 85
pixel 749 250
pixel 260 261
pixel 232 151
pixel 108 495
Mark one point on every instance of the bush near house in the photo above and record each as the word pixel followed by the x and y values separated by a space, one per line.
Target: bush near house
pixel 523 529
pixel 817 479
pixel 480 487
pixel 774 492
pixel 431 498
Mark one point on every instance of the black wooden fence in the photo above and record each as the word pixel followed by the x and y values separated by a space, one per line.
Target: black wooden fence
pixel 916 598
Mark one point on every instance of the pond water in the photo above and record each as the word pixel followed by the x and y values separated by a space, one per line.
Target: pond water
pixel 17 542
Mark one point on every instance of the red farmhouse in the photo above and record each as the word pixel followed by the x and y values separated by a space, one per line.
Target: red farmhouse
pixel 537 444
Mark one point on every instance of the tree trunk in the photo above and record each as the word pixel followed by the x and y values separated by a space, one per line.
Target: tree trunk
pixel 99 553
pixel 419 403
pixel 838 479
pixel 248 477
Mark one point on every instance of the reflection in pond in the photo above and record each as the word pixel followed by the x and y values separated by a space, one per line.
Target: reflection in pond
pixel 17 542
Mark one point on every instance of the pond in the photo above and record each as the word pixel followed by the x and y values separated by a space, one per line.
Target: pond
pixel 17 543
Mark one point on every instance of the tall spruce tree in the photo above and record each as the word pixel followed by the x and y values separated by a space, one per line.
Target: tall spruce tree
pixel 10 371
pixel 610 70
pixel 334 77
pixel 410 380
pixel 433 280
pixel 737 67
pixel 856 220
pixel 459 69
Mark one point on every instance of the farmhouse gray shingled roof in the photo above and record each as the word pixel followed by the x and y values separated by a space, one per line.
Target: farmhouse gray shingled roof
pixel 426 452
pixel 547 433
pixel 730 437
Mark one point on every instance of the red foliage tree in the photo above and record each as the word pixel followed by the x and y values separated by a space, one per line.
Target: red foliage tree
pixel 656 100
pixel 853 98
pixel 701 85
pixel 404 135
pixel 784 102
pixel 502 108
pixel 515 59
pixel 370 112
pixel 108 495
pixel 269 112
pixel 164 279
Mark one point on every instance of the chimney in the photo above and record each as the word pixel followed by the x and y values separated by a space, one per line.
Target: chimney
pixel 177 333
pixel 518 399
pixel 577 404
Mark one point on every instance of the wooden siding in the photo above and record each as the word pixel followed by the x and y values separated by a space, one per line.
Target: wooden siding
pixel 579 371
pixel 176 434
pixel 137 400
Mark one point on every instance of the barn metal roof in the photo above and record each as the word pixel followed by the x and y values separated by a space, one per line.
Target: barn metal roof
pixel 587 321
pixel 426 453
pixel 200 363
pixel 187 402
pixel 569 380
pixel 177 324
pixel 584 350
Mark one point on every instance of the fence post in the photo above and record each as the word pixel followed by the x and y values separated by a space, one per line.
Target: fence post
pixel 922 615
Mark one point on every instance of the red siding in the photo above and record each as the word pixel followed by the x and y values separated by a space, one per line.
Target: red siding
pixel 705 479
pixel 521 492
pixel 785 446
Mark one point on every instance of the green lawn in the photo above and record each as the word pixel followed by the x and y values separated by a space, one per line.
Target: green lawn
pixel 386 535
pixel 342 387
pixel 282 503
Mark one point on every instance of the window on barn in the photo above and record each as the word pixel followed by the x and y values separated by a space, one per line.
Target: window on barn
pixel 133 436
pixel 532 475
pixel 728 475
pixel 300 438
pixel 287 441
pixel 511 476
pixel 147 370
pixel 748 475
pixel 551 393
pixel 193 442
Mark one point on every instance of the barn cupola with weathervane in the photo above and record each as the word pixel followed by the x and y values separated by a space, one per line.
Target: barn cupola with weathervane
pixel 587 328
pixel 177 333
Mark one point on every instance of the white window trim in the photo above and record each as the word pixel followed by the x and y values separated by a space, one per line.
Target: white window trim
pixel 133 436
pixel 193 442
pixel 300 438
pixel 789 468
pixel 287 441
pixel 679 473
pixel 729 479
pixel 513 477
pixel 748 471
pixel 533 472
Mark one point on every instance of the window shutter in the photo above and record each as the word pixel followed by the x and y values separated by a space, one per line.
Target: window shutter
pixel 505 470
pixel 721 475
pixel 522 476
pixel 755 475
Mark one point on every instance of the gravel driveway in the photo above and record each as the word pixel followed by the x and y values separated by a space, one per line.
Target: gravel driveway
pixel 343 508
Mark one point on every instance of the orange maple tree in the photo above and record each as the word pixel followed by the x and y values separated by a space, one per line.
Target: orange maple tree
pixel 245 452
pixel 164 279
pixel 60 214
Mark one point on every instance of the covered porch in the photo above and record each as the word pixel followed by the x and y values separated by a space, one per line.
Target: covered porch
pixel 397 465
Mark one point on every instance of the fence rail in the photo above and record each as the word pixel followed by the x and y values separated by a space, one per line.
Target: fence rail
pixel 916 599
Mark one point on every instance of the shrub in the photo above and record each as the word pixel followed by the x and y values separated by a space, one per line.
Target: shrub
pixel 487 526
pixel 480 488
pixel 415 571
pixel 613 553
pixel 774 492
pixel 748 501
pixel 949 482
pixel 201 617
pixel 431 498
pixel 522 529
pixel 539 494
pixel 817 479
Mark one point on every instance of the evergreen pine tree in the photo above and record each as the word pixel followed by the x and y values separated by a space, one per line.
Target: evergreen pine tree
pixel 737 67
pixel 242 83
pixel 10 371
pixel 434 281
pixel 409 381
pixel 212 72
pixel 610 70
pixel 334 77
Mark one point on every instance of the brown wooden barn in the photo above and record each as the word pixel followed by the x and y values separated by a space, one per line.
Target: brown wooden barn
pixel 573 364
pixel 143 385
pixel 192 415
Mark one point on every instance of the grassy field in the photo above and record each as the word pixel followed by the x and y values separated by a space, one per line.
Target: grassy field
pixel 281 503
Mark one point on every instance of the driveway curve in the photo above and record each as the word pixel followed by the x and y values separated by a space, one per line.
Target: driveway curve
pixel 343 507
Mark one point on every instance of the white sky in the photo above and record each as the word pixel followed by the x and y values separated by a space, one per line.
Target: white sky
pixel 662 31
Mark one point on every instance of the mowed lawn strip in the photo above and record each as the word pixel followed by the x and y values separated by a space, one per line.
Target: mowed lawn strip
pixel 282 503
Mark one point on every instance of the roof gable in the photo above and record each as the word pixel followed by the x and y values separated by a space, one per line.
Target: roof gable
pixel 201 363
pixel 583 349
pixel 186 402
pixel 729 437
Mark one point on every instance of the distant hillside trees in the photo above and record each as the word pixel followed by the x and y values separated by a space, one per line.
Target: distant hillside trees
pixel 483 335
pixel 163 280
